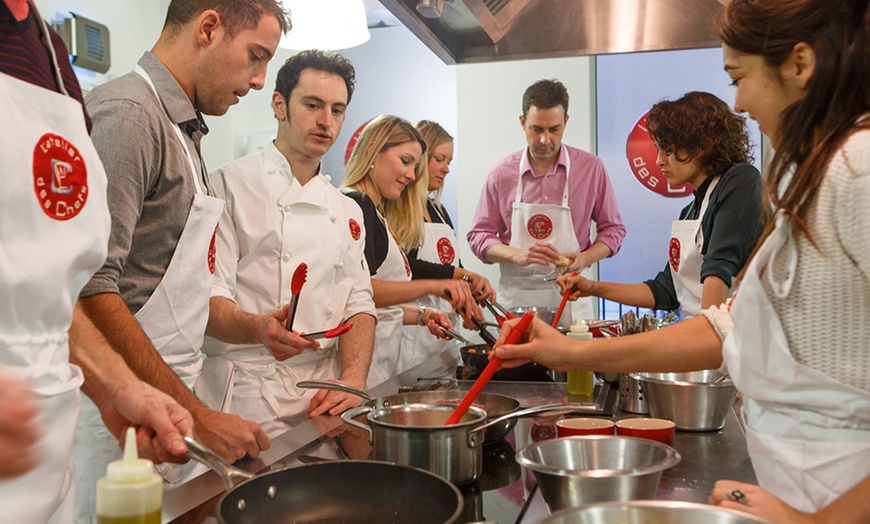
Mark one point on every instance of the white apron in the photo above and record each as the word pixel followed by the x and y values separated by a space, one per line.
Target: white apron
pixel 685 258
pixel 388 333
pixel 418 344
pixel 174 318
pixel 808 435
pixel 521 286
pixel 247 380
pixel 54 230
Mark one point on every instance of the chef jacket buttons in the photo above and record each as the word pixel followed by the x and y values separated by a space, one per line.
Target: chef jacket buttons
pixel 333 218
pixel 286 257
pixel 338 264
pixel 287 209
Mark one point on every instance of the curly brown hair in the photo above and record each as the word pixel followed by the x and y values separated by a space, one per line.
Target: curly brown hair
pixel 703 126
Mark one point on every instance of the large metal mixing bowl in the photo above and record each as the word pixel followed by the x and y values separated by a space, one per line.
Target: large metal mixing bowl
pixel 574 471
pixel 694 401
pixel 651 512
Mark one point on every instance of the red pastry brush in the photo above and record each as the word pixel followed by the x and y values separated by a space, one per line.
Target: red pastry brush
pixel 299 277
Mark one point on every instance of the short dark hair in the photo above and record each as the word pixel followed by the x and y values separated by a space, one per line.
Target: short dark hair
pixel 703 126
pixel 237 15
pixel 326 61
pixel 545 94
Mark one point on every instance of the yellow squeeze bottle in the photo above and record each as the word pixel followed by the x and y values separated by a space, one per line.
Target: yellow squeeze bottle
pixel 580 382
pixel 131 492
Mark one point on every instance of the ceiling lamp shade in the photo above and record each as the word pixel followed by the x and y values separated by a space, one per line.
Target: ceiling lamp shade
pixel 326 24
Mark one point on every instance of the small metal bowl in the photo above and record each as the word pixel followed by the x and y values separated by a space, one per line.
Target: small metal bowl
pixel 694 401
pixel 651 512
pixel 547 314
pixel 574 471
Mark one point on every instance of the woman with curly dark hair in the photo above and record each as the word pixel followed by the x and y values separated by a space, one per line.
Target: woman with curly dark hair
pixel 702 142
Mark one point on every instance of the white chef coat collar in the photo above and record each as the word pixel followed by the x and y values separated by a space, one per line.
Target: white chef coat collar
pixel 276 164
pixel 313 193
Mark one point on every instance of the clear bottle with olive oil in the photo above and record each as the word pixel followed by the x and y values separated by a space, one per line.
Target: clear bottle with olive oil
pixel 131 492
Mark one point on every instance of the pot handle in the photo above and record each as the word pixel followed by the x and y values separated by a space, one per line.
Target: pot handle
pixel 547 408
pixel 337 386
pixel 349 415
pixel 204 455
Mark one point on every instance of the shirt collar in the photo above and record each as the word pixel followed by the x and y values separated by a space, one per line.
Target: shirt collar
pixel 562 160
pixel 179 108
pixel 276 163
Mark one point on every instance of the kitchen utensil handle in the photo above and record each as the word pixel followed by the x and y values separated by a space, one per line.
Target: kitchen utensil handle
pixel 204 455
pixel 489 371
pixel 562 305
pixel 552 409
pixel 291 314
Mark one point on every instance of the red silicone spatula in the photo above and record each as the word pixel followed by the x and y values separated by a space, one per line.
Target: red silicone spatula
pixel 489 370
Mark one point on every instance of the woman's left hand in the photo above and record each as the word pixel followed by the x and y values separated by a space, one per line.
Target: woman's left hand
pixel 757 501
pixel 433 318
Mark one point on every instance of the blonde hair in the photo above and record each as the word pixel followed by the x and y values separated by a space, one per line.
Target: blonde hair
pixel 434 135
pixel 405 214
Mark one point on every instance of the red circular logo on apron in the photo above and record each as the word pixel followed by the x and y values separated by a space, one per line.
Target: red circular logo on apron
pixel 407 266
pixel 60 177
pixel 446 253
pixel 211 251
pixel 641 153
pixel 354 229
pixel 674 254
pixel 540 226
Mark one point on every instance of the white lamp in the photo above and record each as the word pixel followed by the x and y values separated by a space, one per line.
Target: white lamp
pixel 326 24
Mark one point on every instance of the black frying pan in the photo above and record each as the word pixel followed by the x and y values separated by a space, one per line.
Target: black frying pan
pixel 476 358
pixel 349 491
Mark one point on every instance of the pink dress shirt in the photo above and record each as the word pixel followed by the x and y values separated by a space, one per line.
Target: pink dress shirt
pixel 591 198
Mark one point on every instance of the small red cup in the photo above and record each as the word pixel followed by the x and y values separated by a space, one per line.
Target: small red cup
pixel 569 427
pixel 659 429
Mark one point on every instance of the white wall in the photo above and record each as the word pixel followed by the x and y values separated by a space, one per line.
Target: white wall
pixel 489 106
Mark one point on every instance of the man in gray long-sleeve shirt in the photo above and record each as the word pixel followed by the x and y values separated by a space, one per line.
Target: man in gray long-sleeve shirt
pixel 150 299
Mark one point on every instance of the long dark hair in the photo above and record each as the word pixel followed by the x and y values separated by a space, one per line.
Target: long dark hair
pixel 815 127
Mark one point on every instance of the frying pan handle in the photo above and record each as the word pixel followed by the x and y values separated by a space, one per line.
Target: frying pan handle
pixel 349 416
pixel 547 408
pixel 200 453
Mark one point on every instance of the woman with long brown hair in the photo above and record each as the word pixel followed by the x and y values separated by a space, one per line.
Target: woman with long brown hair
pixel 801 70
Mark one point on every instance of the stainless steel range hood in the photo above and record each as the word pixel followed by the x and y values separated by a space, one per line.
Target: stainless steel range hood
pixel 491 30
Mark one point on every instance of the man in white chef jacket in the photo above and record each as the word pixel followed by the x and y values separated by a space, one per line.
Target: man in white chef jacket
pixel 150 298
pixel 538 204
pixel 282 211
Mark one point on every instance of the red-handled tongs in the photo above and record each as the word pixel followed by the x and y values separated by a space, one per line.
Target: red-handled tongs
pixel 299 277
pixel 337 331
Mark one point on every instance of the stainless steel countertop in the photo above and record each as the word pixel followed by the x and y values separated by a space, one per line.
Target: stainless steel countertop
pixel 706 457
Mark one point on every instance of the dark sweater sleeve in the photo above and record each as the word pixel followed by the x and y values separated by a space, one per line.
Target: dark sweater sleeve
pixel 422 268
pixel 377 243
pixel 732 223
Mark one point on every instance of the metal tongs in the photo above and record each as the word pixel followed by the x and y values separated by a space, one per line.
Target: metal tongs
pixel 456 335
pixel 495 308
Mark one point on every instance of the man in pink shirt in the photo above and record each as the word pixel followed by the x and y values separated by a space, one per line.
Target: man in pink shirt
pixel 538 204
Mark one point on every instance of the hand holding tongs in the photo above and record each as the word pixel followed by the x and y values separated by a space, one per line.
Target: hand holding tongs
pixel 299 277
pixel 484 334
pixel 456 335
pixel 337 331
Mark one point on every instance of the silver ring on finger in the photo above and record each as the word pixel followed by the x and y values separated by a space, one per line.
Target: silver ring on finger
pixel 737 496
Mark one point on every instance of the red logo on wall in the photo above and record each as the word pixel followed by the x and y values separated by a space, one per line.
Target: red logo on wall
pixel 446 253
pixel 354 228
pixel 60 177
pixel 674 254
pixel 641 153
pixel 211 251
pixel 540 226
pixel 353 138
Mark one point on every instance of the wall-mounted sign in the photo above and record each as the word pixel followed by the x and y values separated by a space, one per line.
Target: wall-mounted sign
pixel 641 152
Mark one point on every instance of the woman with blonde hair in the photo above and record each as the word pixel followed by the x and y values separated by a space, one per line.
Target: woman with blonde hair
pixel 438 256
pixel 386 177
